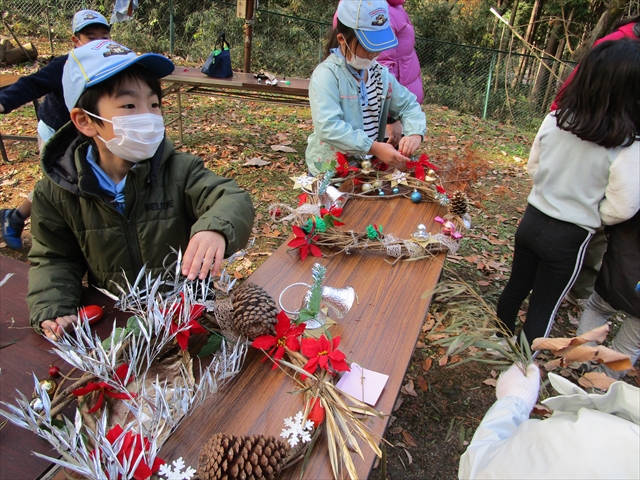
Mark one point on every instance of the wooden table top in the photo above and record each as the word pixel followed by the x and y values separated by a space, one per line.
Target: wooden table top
pixel 241 81
pixel 379 333
pixel 7 79
pixel 30 354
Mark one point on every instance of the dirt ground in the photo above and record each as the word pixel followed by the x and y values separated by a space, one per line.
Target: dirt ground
pixel 441 404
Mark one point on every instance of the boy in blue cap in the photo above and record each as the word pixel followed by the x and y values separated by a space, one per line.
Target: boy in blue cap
pixel 87 26
pixel 116 195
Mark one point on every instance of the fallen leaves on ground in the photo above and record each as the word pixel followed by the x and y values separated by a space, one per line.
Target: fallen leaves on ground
pixel 598 380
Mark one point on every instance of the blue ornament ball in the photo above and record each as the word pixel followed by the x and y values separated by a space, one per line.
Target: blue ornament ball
pixel 416 197
pixel 381 193
pixel 395 190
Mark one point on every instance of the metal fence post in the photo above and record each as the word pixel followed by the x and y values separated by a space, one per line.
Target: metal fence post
pixel 171 28
pixel 488 90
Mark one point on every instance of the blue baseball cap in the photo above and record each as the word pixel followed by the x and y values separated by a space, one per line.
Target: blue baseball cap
pixel 84 18
pixel 370 21
pixel 99 60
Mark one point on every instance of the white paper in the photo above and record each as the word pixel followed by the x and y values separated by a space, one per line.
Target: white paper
pixel 365 385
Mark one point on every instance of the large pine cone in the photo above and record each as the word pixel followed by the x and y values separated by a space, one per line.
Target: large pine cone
pixel 459 204
pixel 227 457
pixel 254 311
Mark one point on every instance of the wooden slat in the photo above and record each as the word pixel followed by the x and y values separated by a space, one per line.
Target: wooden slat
pixel 379 333
pixel 30 354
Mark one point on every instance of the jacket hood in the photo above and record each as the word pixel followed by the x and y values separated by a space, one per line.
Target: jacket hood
pixel 64 161
pixel 395 3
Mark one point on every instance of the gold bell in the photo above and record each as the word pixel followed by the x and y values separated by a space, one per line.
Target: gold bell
pixel 48 386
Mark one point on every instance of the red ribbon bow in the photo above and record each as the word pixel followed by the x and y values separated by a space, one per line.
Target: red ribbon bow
pixel 422 162
pixel 448 228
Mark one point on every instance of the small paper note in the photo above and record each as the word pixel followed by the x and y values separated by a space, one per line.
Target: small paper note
pixel 365 385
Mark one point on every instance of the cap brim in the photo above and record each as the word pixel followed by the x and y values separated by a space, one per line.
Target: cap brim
pixel 377 41
pixel 157 64
pixel 82 27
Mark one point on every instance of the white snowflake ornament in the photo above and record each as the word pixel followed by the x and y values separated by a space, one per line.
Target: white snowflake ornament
pixel 296 431
pixel 303 181
pixel 398 177
pixel 177 472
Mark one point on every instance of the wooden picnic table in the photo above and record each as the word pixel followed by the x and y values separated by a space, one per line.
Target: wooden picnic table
pixel 22 353
pixel 7 80
pixel 243 86
pixel 379 333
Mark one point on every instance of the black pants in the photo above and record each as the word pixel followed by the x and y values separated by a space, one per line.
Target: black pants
pixel 547 259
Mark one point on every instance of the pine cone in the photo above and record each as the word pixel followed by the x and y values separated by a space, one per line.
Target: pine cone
pixel 254 311
pixel 459 204
pixel 227 457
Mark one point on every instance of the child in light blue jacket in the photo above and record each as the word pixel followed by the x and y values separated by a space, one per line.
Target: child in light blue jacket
pixel 351 95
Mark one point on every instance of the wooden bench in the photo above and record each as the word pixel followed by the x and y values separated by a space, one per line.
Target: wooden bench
pixel 379 333
pixel 241 85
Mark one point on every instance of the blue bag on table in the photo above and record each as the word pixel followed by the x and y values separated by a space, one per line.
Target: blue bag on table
pixel 218 63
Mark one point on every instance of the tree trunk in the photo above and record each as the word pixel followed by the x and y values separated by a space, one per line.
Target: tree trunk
pixel 16 55
pixel 615 9
pixel 529 37
pixel 542 77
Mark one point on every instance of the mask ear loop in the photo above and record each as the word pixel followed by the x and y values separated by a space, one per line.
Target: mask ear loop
pixel 290 312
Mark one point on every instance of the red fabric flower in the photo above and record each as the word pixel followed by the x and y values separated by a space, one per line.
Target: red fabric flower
pixel 333 213
pixel 302 199
pixel 105 389
pixel 324 353
pixel 131 450
pixel 420 165
pixel 303 242
pixel 343 167
pixel 182 333
pixel 287 335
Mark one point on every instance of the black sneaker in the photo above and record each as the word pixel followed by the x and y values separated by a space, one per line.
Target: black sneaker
pixel 11 230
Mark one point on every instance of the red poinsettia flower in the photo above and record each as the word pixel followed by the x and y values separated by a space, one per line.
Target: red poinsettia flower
pixel 324 353
pixel 331 216
pixel 343 167
pixel 182 333
pixel 303 242
pixel 131 450
pixel 302 199
pixel 105 389
pixel 420 164
pixel 287 335
pixel 440 189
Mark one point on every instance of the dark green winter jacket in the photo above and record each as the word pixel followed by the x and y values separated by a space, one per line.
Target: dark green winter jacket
pixel 76 228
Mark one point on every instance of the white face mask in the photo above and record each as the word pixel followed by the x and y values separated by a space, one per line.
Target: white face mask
pixel 359 63
pixel 137 137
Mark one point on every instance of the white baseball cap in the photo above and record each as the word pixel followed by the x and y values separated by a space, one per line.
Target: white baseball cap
pixel 99 60
pixel 370 21
pixel 84 18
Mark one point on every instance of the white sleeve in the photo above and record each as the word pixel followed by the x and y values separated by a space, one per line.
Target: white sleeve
pixel 497 426
pixel 622 195
pixel 534 157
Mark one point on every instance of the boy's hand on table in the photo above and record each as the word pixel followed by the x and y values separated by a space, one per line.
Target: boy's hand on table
pixel 204 253
pixel 408 145
pixel 54 329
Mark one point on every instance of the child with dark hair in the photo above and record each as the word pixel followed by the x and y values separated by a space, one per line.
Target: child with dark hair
pixel 351 95
pixel 585 165
pixel 87 25
pixel 116 195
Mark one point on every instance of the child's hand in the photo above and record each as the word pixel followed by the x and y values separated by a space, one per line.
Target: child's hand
pixel 408 145
pixel 204 253
pixel 54 329
pixel 385 152
pixel 394 132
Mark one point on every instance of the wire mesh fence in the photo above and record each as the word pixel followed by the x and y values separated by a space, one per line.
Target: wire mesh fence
pixel 487 83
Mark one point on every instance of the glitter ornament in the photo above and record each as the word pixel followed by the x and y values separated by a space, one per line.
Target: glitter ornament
pixel 421 233
pixel 37 405
pixel 366 187
pixel 49 386
pixel 395 190
pixel 416 196
pixel 442 198
pixel 366 165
